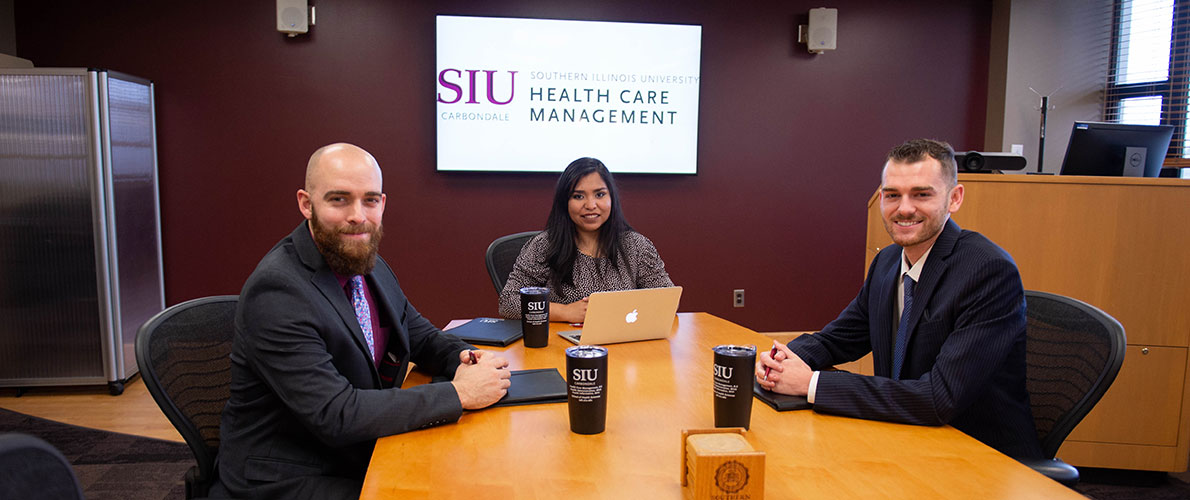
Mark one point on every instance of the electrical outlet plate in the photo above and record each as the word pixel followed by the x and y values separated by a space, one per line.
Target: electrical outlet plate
pixel 738 298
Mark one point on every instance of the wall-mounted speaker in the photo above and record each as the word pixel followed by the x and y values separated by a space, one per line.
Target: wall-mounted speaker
pixel 823 30
pixel 293 17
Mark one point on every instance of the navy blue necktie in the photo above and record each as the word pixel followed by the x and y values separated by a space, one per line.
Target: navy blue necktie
pixel 902 342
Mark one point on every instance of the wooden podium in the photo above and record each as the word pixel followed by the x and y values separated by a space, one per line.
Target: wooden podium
pixel 1122 245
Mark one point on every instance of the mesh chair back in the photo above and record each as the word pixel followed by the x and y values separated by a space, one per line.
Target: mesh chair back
pixel 502 254
pixel 1074 352
pixel 184 357
pixel 32 469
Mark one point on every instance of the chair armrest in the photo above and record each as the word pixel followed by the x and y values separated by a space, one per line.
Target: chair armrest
pixel 1053 468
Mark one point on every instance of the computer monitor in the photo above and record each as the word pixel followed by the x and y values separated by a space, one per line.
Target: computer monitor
pixel 1115 149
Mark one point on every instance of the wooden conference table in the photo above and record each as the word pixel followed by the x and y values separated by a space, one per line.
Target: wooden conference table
pixel 656 389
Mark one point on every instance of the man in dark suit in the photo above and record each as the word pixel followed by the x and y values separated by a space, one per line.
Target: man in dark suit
pixel 323 338
pixel 942 312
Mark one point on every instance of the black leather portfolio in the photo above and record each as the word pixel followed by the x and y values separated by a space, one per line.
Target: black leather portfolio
pixel 779 402
pixel 488 331
pixel 544 385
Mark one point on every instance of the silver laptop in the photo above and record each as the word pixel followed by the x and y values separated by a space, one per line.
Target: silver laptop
pixel 627 316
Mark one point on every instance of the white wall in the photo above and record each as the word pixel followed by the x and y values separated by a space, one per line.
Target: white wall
pixel 1057 47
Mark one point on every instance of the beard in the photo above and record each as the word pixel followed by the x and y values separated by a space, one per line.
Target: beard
pixel 931 226
pixel 347 258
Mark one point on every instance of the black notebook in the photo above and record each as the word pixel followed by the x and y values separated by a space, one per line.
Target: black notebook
pixel 488 331
pixel 779 402
pixel 544 385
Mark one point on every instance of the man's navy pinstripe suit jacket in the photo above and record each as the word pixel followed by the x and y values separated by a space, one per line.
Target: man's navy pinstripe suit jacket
pixel 965 364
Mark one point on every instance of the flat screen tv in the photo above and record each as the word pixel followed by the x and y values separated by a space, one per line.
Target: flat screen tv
pixel 1115 149
pixel 532 95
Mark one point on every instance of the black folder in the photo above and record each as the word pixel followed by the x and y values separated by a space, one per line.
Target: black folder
pixel 488 331
pixel 544 385
pixel 779 402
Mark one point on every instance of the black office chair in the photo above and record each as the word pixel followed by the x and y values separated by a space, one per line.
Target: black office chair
pixel 32 469
pixel 1074 351
pixel 184 357
pixel 502 254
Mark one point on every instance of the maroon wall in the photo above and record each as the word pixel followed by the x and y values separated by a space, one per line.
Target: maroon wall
pixel 790 145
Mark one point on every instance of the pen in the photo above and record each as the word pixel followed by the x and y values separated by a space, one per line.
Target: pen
pixel 772 354
pixel 472 354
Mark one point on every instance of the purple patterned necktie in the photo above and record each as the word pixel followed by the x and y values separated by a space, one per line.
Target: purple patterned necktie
pixel 363 314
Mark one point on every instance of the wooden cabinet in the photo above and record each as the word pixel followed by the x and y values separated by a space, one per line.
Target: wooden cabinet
pixel 1122 245
pixel 1146 393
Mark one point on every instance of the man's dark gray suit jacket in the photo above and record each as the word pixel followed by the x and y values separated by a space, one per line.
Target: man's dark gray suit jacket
pixel 965 364
pixel 306 399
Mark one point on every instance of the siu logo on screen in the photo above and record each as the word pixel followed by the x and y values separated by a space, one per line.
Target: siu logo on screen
pixel 454 85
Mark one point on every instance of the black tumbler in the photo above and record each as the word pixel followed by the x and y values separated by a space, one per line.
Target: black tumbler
pixel 734 366
pixel 586 388
pixel 535 316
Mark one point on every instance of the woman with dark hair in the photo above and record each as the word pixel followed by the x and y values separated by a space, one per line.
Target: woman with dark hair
pixel 586 247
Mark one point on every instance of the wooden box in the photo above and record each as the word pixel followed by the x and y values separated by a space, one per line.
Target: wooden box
pixel 719 464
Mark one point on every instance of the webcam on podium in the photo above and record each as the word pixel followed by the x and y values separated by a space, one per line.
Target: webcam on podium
pixel 974 161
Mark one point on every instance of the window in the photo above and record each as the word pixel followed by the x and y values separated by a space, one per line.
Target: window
pixel 1149 79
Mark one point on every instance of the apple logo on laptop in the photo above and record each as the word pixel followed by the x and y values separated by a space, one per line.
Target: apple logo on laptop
pixel 630 317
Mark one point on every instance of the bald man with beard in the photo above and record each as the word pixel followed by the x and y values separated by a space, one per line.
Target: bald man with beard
pixel 324 336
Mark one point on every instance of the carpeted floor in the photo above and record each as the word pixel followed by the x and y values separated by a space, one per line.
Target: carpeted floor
pixel 1110 484
pixel 111 465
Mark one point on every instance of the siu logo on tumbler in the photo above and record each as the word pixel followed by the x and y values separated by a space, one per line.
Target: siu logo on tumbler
pixel 586 375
